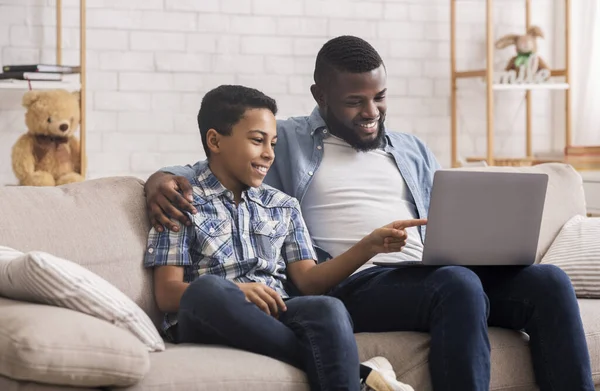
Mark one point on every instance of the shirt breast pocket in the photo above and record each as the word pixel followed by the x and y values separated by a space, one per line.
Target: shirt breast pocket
pixel 215 239
pixel 269 235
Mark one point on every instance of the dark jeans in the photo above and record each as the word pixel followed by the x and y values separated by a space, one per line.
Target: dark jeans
pixel 456 304
pixel 314 334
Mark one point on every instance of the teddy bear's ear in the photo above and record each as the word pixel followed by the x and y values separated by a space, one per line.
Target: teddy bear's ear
pixel 77 95
pixel 30 98
pixel 535 32
pixel 507 40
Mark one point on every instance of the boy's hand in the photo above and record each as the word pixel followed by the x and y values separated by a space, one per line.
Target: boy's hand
pixel 165 201
pixel 389 238
pixel 264 297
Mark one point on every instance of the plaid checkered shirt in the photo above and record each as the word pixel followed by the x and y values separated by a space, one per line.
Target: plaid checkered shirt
pixel 250 242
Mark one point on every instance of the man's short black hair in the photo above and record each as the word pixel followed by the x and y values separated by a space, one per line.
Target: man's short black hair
pixel 346 54
pixel 224 106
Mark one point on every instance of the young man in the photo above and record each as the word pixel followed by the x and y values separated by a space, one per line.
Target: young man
pixel 222 278
pixel 342 158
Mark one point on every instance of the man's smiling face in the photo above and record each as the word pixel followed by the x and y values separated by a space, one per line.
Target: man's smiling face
pixel 354 106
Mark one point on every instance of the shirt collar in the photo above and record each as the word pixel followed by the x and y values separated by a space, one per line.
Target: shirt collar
pixel 253 194
pixel 316 121
pixel 208 186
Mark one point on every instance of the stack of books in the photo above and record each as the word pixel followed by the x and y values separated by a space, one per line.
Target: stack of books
pixel 39 72
pixel 583 157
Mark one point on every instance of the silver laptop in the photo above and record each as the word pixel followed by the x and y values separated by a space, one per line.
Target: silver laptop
pixel 483 218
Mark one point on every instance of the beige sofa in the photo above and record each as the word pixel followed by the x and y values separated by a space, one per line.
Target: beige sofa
pixel 102 225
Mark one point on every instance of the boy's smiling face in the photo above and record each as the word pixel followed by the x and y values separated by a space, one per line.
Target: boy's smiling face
pixel 243 158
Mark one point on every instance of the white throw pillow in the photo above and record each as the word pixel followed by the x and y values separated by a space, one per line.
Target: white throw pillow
pixel 576 250
pixel 52 345
pixel 44 278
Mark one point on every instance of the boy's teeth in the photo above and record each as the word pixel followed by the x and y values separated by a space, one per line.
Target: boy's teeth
pixel 261 168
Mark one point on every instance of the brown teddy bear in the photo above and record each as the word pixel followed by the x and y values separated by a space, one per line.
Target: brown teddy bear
pixel 526 46
pixel 48 154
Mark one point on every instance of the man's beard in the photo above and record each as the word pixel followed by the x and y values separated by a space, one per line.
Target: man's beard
pixel 349 135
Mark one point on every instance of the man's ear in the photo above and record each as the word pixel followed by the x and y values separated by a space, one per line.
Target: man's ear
pixel 318 95
pixel 213 139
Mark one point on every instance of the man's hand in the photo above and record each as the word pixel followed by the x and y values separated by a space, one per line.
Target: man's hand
pixel 264 297
pixel 389 238
pixel 167 196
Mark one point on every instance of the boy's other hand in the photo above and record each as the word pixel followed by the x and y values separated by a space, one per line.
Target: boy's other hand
pixel 167 196
pixel 263 297
pixel 390 238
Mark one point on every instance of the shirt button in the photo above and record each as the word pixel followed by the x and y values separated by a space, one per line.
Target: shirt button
pixel 150 250
pixel 273 232
pixel 319 147
pixel 212 230
pixel 310 173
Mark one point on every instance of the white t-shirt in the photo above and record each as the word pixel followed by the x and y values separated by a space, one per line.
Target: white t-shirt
pixel 353 193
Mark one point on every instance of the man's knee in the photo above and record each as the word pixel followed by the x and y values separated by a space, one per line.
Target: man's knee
pixel 548 281
pixel 460 286
pixel 457 280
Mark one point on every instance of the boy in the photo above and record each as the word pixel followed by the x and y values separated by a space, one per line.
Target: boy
pixel 222 278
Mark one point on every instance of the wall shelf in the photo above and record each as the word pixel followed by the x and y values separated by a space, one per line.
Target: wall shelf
pixel 517 87
pixel 39 85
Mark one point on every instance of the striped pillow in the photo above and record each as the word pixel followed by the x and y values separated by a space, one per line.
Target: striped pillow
pixel 576 250
pixel 44 278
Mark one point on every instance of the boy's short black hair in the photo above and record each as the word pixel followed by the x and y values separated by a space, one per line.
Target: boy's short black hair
pixel 345 53
pixel 224 106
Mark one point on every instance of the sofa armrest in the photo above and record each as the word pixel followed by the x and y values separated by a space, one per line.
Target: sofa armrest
pixel 58 346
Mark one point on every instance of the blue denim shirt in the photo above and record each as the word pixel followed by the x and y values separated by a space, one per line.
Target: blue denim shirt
pixel 299 153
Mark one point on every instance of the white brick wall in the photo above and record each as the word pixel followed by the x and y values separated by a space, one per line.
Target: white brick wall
pixel 150 62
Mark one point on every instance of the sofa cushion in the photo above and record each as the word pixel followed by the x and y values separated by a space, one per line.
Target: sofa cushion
pixel 195 367
pixel 408 352
pixel 199 368
pixel 564 198
pixel 43 278
pixel 100 224
pixel 512 369
pixel 590 316
pixel 7 384
pixel 576 250
pixel 58 346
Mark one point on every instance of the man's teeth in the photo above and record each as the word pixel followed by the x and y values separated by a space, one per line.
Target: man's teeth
pixel 369 125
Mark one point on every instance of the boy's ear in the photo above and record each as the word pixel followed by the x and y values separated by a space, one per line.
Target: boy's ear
pixel 213 139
